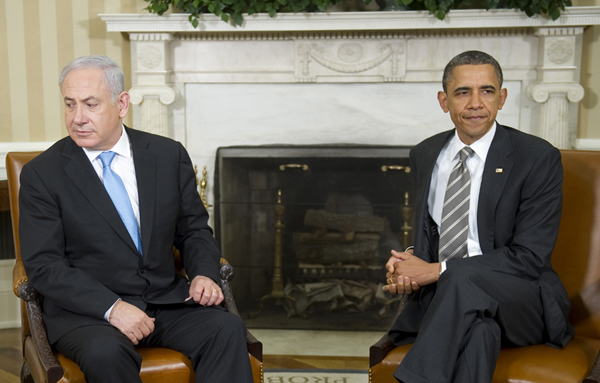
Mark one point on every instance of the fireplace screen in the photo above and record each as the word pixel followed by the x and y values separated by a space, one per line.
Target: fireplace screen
pixel 309 229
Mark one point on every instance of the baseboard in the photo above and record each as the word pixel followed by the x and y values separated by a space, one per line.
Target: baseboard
pixel 10 309
pixel 10 324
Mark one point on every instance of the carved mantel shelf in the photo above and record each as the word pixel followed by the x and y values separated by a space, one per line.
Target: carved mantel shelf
pixel 217 85
pixel 345 21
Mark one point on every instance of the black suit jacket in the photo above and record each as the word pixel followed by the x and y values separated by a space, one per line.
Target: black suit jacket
pixel 518 216
pixel 76 250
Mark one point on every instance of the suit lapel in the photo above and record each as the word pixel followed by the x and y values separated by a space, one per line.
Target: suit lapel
pixel 145 174
pixel 82 174
pixel 497 169
pixel 424 174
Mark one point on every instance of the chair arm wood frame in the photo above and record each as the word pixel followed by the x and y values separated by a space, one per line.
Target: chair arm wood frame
pixel 594 376
pixel 383 346
pixel 379 350
pixel 255 347
pixel 52 370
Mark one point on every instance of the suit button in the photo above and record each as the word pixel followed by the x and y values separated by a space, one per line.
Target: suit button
pixel 142 270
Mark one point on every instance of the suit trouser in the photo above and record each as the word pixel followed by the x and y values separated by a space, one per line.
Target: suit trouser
pixel 213 339
pixel 459 324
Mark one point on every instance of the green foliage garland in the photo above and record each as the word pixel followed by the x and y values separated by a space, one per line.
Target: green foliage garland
pixel 233 9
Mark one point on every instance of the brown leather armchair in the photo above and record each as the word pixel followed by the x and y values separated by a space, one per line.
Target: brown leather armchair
pixel 576 259
pixel 42 364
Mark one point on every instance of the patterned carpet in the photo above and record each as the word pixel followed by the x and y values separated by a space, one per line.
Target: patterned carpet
pixel 294 376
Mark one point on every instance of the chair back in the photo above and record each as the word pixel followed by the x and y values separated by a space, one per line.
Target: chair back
pixel 576 256
pixel 14 163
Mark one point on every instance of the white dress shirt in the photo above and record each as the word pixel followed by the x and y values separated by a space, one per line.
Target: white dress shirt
pixel 445 162
pixel 122 164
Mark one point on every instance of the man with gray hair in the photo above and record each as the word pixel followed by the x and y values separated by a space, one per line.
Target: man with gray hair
pixel 100 212
pixel 479 274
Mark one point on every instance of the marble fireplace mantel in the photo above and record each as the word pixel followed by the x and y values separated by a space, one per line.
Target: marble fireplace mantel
pixel 351 77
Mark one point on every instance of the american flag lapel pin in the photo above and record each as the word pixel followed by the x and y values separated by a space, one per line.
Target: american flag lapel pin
pixel 498 170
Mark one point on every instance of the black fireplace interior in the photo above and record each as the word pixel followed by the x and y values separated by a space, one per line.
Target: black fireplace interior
pixel 339 211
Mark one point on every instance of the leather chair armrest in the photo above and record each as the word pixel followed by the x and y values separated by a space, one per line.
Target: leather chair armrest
pixel 255 347
pixel 226 270
pixel 51 368
pixel 379 350
pixel 594 376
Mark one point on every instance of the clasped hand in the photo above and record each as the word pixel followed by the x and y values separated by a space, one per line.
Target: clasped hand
pixel 407 273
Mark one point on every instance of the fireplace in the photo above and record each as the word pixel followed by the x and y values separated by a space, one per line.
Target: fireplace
pixel 309 229
pixel 290 80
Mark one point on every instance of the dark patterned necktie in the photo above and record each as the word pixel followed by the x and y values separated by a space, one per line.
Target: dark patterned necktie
pixel 455 213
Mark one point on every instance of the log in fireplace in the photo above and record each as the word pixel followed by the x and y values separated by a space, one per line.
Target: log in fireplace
pixel 309 229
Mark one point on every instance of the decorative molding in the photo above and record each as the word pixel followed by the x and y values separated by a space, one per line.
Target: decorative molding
pixel 278 36
pixel 150 56
pixel 343 21
pixel 449 33
pixel 356 57
pixel 559 31
pixel 554 114
pixel 166 94
pixel 560 51
pixel 154 101
pixel 541 92
pixel 150 36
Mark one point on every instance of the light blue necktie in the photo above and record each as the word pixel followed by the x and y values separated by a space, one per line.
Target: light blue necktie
pixel 118 194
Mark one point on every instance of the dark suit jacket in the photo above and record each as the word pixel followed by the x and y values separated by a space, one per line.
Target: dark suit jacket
pixel 76 250
pixel 518 216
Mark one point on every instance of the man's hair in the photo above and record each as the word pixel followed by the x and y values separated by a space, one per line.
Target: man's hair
pixel 471 58
pixel 113 75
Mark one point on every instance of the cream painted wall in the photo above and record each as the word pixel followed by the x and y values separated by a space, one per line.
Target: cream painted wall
pixel 39 37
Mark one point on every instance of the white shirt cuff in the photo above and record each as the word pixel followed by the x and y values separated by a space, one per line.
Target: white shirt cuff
pixel 443 267
pixel 107 313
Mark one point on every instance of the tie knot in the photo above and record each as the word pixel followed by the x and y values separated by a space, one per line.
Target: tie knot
pixel 465 153
pixel 106 158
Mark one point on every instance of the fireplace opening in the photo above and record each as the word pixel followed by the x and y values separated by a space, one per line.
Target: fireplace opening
pixel 308 230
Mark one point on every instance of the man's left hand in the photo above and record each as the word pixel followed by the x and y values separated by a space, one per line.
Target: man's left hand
pixel 205 291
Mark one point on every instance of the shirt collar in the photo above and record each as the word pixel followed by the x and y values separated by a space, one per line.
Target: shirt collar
pixel 480 147
pixel 122 148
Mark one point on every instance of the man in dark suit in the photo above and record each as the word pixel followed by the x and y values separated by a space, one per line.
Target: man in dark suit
pixel 100 213
pixel 479 275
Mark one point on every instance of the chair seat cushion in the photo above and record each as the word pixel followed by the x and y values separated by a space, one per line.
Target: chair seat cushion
pixel 159 365
pixel 532 364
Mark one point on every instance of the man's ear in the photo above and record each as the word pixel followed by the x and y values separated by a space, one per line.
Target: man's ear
pixel 123 101
pixel 443 100
pixel 503 95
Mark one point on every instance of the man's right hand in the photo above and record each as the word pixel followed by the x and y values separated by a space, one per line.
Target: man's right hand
pixel 401 284
pixel 131 321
